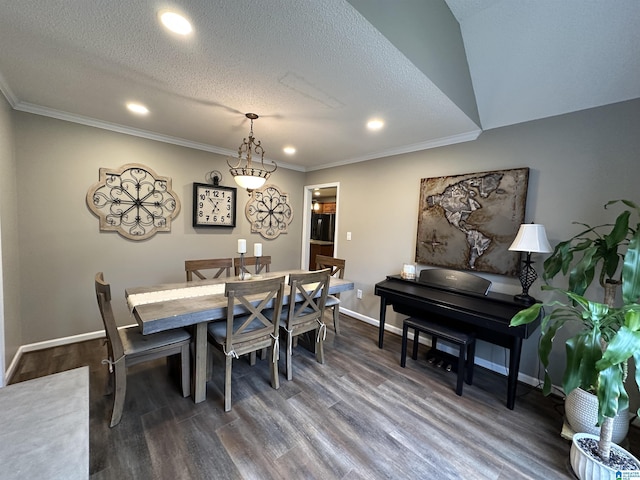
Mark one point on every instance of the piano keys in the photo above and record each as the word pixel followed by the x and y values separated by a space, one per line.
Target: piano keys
pixel 461 301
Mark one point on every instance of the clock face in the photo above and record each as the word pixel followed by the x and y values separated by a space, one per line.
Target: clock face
pixel 214 206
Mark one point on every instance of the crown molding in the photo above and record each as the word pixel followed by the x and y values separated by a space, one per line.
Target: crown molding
pixel 136 132
pixel 114 127
pixel 8 94
pixel 416 147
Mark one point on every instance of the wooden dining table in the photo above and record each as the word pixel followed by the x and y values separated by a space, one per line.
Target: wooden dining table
pixel 174 305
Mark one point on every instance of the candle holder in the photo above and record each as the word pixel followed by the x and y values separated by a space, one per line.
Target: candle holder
pixel 242 275
pixel 257 265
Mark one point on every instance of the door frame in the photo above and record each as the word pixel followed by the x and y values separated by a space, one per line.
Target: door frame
pixel 306 220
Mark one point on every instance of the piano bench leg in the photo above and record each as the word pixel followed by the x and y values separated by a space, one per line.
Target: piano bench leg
pixel 471 360
pixel 461 362
pixel 465 343
pixel 403 354
pixel 416 343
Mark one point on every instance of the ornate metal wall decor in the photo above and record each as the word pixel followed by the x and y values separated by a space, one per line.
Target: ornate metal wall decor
pixel 468 221
pixel 133 201
pixel 269 212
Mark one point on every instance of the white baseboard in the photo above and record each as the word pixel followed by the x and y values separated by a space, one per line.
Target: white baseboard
pixel 494 367
pixel 56 342
pixel 500 369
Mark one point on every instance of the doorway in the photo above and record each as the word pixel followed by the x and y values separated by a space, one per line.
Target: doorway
pixel 320 222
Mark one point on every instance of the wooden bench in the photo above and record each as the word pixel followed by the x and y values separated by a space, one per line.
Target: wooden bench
pixel 464 341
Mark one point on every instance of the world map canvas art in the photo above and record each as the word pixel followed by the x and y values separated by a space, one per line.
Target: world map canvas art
pixel 468 222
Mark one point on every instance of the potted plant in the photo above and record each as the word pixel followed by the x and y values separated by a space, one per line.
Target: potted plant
pixel 608 335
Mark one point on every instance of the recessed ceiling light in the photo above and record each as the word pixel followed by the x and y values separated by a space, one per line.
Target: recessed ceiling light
pixel 289 150
pixel 175 22
pixel 137 108
pixel 375 124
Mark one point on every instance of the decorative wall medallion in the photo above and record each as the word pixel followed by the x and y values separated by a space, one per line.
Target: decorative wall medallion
pixel 269 212
pixel 133 201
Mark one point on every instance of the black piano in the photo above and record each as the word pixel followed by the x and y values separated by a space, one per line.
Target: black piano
pixel 461 301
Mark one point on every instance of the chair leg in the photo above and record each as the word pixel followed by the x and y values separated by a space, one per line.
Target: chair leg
pixel 336 319
pixel 120 391
pixel 108 387
pixel 319 347
pixel 209 363
pixel 227 383
pixel 252 358
pixel 185 364
pixel 288 363
pixel 275 380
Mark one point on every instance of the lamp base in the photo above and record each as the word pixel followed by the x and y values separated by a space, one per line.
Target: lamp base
pixel 524 299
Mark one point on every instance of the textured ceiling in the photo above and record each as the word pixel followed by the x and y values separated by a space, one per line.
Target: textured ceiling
pixel 316 71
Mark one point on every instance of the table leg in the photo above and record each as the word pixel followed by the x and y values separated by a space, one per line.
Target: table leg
pixel 200 369
pixel 383 311
pixel 514 368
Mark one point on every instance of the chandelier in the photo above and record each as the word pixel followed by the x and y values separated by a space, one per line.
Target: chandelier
pixel 250 176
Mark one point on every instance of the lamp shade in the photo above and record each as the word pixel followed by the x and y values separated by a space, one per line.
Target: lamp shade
pixel 531 237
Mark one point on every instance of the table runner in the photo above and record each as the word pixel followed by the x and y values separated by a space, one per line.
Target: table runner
pixel 174 294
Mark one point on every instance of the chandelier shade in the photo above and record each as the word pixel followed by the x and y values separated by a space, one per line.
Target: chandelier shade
pixel 247 174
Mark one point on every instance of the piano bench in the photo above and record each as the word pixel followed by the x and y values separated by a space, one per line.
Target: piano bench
pixel 465 342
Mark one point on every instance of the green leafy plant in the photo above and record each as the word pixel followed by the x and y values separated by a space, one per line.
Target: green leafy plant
pixel 591 249
pixel 608 337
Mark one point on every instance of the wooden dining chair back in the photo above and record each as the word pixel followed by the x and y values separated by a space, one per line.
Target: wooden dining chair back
pixel 304 312
pixel 337 266
pixel 127 347
pixel 251 308
pixel 219 265
pixel 263 265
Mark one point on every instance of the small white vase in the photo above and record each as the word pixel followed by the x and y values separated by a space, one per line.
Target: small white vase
pixel 586 467
pixel 581 409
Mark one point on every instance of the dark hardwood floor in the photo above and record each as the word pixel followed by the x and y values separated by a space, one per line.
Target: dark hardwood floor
pixel 359 416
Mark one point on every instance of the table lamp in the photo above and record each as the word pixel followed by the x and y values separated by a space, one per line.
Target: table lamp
pixel 531 238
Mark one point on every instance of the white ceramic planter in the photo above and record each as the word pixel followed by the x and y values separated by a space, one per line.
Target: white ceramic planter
pixel 588 468
pixel 581 409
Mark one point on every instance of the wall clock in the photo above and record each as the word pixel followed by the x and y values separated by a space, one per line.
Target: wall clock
pixel 214 205
pixel 269 212
pixel 134 201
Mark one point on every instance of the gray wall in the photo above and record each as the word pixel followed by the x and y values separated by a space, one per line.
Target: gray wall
pixel 577 163
pixel 61 247
pixel 10 334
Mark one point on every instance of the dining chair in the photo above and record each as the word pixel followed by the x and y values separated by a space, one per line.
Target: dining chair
pixel 337 266
pixel 128 346
pixel 305 312
pixel 265 264
pixel 194 267
pixel 251 308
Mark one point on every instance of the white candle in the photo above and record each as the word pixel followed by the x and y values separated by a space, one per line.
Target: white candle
pixel 242 246
pixel 257 249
